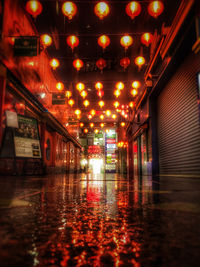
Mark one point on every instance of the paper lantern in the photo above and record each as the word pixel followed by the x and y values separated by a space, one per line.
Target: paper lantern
pixel 104 41
pixel 69 9
pixel 133 9
pixel 101 9
pixel 68 94
pixel 126 41
pixel 99 86
pixel 123 124
pixel 114 116
pixel 139 61
pixel 102 124
pixel 85 130
pixel 46 40
pixel 147 38
pixel 54 63
pixel 77 112
pixel 155 8
pixel 108 113
pixel 116 104
pixel 83 94
pixel 101 63
pixel 72 41
pixel 80 86
pixel 101 103
pixel 134 92
pixel 125 62
pixel 100 93
pixel 101 116
pixel 71 102
pixel 117 93
pixel 60 86
pixel 34 8
pixel 78 64
pixel 120 85
pixel 92 112
pixel 91 125
pixel 81 124
pixel 86 103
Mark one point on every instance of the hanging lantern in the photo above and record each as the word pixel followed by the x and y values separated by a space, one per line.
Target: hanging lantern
pixel 123 124
pixel 134 92
pixel 147 38
pixel 133 9
pixel 101 63
pixel 81 124
pixel 102 124
pixel 96 131
pixel 126 41
pixel 91 125
pixel 85 130
pixel 136 84
pixel 120 85
pixel 68 94
pixel 80 86
pixel 101 103
pixel 46 40
pixel 92 112
pixel 101 9
pixel 139 61
pixel 125 62
pixel 116 104
pixel 34 8
pixel 78 64
pixel 100 93
pixel 114 116
pixel 103 41
pixel 155 8
pixel 69 9
pixel 72 41
pixel 60 86
pixel 101 116
pixel 117 93
pixel 99 86
pixel 108 113
pixel 54 63
pixel 131 104
pixel 77 112
pixel 89 116
pixel 83 94
pixel 71 102
pixel 86 103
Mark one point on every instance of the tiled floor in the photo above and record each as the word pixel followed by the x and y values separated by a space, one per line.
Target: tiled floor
pixel 99 220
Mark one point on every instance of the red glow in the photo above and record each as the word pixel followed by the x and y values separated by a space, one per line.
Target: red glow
pixel 147 38
pixel 78 64
pixel 155 8
pixel 101 63
pixel 104 41
pixel 72 41
pixel 126 41
pixel 101 9
pixel 133 9
pixel 69 9
pixel 125 62
pixel 34 8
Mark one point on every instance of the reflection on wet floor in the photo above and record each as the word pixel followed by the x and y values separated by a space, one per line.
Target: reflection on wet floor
pixel 99 220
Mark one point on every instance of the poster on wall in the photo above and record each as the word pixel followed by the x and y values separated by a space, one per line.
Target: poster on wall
pixel 26 138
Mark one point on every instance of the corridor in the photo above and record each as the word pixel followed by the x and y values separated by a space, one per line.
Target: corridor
pixel 99 220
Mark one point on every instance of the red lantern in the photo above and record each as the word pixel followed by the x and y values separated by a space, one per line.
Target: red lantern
pixel 72 41
pixel 133 9
pixel 69 9
pixel 54 63
pixel 78 64
pixel 101 63
pixel 99 86
pixel 126 41
pixel 155 8
pixel 34 8
pixel 100 93
pixel 104 41
pixel 147 38
pixel 101 9
pixel 140 61
pixel 125 62
pixel 46 40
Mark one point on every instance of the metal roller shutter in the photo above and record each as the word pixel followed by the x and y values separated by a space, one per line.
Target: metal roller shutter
pixel 178 121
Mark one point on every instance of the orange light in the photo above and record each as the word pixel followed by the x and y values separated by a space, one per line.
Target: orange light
pixel 117 93
pixel 101 116
pixel 133 9
pixel 116 104
pixel 139 61
pixel 134 92
pixel 92 112
pixel 69 9
pixel 99 86
pixel 147 38
pixel 125 62
pixel 101 63
pixel 86 103
pixel 102 124
pixel 54 63
pixel 71 102
pixel 114 116
pixel 72 41
pixel 80 87
pixel 100 93
pixel 46 40
pixel 91 125
pixel 120 85
pixel 155 8
pixel 101 103
pixel 103 41
pixel 83 94
pixel 126 41
pixel 34 8
pixel 68 94
pixel 89 116
pixel 78 64
pixel 81 124
pixel 108 112
pixel 101 9
pixel 60 86
pixel 136 84
pixel 122 123
pixel 96 131
pixel 85 130
pixel 77 112
pixel 131 104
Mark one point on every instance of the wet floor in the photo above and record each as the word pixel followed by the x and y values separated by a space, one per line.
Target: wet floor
pixel 99 220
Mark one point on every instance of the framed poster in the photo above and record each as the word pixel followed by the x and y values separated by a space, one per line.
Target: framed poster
pixel 26 138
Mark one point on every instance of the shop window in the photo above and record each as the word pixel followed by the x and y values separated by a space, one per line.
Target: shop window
pixel 48 149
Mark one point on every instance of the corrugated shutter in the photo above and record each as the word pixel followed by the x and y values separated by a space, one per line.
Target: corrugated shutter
pixel 178 121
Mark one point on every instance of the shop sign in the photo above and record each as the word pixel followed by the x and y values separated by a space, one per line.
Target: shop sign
pixel 11 119
pixel 58 98
pixel 26 46
pixel 100 135
pixel 111 141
